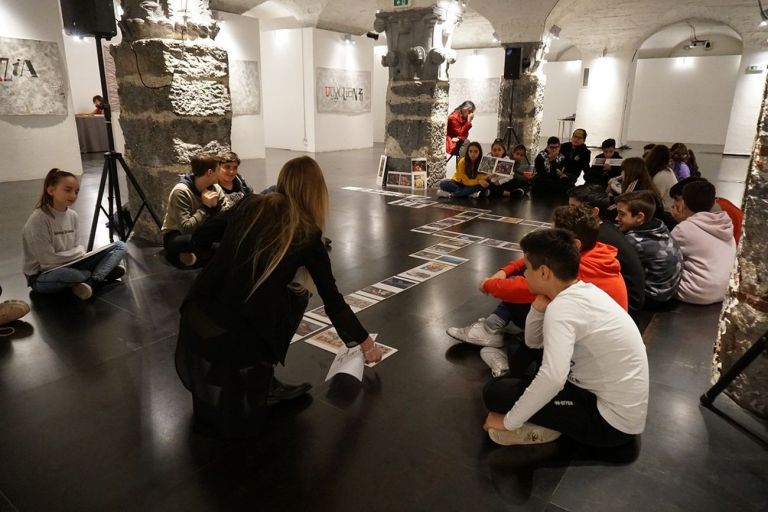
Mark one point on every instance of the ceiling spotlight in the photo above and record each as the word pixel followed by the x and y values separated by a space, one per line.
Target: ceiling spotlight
pixel 496 38
pixel 347 38
pixel 372 35
pixel 555 31
pixel 764 23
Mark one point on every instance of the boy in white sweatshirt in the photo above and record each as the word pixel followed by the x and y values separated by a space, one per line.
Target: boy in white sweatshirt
pixel 592 384
pixel 706 242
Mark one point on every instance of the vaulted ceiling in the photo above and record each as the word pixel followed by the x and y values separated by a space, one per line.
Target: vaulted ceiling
pixel 590 25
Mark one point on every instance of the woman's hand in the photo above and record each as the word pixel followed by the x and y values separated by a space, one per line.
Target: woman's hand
pixel 371 352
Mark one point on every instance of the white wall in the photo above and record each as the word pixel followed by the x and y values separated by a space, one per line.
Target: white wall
pixel 379 99
pixel 239 35
pixel 32 145
pixel 84 82
pixel 561 92
pixel 747 101
pixel 282 90
pixel 480 63
pixel 335 132
pixel 683 99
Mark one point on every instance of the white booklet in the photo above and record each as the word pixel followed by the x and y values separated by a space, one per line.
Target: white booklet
pixel 83 257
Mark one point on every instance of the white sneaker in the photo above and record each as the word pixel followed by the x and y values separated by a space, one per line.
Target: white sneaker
pixel 496 359
pixel 527 434
pixel 82 291
pixel 443 193
pixel 477 334
pixel 475 195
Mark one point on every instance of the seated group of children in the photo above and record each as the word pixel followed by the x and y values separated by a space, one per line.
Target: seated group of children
pixel 581 369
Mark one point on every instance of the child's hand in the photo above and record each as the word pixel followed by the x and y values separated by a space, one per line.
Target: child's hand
pixel 210 198
pixel 495 421
pixel 541 303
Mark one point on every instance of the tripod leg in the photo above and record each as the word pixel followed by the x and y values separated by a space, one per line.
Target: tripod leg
pixel 139 191
pixel 734 371
pixel 99 197
pixel 117 215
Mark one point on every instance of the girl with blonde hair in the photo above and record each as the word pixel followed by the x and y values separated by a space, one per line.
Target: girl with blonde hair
pixel 243 309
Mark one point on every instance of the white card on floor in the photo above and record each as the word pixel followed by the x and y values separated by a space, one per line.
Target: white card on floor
pixel 349 361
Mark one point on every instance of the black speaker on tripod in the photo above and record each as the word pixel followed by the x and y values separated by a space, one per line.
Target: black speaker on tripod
pixel 513 62
pixel 96 18
pixel 89 18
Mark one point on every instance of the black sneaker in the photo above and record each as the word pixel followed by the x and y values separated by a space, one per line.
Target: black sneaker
pixel 115 274
pixel 517 193
pixel 280 392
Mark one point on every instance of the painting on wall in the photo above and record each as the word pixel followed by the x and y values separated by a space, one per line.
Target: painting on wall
pixel 31 78
pixel 343 92
pixel 484 92
pixel 244 86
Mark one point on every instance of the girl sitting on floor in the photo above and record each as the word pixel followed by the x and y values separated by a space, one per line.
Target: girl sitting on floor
pixel 52 255
pixel 466 181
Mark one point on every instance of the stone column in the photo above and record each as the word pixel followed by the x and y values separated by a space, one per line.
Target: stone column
pixel 418 43
pixel 744 317
pixel 173 84
pixel 521 101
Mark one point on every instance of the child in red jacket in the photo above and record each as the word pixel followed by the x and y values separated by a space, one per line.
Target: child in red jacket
pixel 598 265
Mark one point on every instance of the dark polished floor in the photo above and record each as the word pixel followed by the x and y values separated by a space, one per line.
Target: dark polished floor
pixel 93 416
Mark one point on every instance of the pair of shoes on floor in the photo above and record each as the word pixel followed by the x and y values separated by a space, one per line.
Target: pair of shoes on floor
pixel 477 334
pixel 82 291
pixel 443 193
pixel 496 359
pixel 527 434
pixel 188 259
pixel 11 310
pixel 281 392
pixel 517 193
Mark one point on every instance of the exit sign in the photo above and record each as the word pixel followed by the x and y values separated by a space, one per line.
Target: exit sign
pixel 401 3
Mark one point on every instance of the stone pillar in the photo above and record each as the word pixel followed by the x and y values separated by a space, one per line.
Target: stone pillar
pixel 173 84
pixel 521 101
pixel 744 317
pixel 418 43
pixel 600 108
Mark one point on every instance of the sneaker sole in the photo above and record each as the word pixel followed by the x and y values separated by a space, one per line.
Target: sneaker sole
pixel 498 344
pixel 523 435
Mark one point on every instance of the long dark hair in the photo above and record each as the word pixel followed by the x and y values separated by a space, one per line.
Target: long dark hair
pixel 471 166
pixel 658 159
pixel 634 168
pixel 53 177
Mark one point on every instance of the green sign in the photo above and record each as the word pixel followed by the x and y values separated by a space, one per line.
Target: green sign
pixel 401 3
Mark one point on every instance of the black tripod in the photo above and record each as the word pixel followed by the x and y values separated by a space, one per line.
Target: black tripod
pixel 116 220
pixel 510 132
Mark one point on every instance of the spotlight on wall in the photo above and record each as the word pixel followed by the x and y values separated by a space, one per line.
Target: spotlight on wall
pixel 347 38
pixel 555 31
pixel 372 35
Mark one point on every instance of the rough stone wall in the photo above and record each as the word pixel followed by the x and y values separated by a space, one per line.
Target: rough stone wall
pixel 417 112
pixel 173 84
pixel 524 97
pixel 744 317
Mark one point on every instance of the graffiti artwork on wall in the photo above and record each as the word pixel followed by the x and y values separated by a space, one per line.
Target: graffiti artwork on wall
pixel 31 78
pixel 342 91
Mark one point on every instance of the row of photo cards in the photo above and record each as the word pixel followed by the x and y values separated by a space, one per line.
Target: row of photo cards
pixel 330 341
pixel 315 329
pixel 417 178
pixel 413 203
pixel 493 165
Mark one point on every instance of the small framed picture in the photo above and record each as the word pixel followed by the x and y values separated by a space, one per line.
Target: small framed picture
pixel 418 165
pixel 504 167
pixel 382 170
pixel 420 180
pixel 486 164
pixel 399 179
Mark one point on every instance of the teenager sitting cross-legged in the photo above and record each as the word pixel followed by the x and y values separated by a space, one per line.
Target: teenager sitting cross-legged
pixel 598 265
pixel 467 181
pixel 592 380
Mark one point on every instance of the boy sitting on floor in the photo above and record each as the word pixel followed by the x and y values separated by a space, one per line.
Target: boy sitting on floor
pixel 598 265
pixel 193 200
pixel 658 251
pixel 592 383
pixel 706 243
